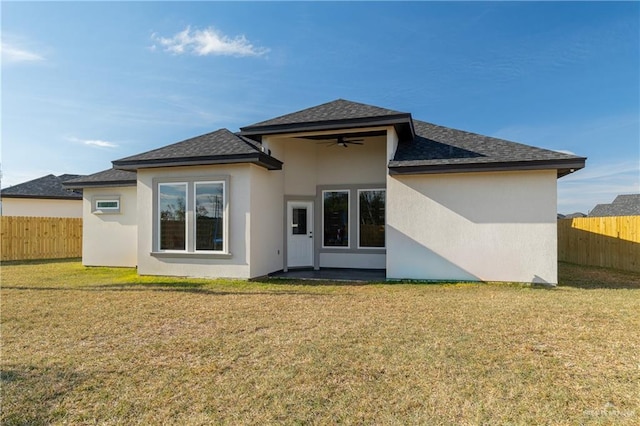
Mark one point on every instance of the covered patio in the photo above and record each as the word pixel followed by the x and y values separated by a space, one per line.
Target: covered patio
pixel 332 274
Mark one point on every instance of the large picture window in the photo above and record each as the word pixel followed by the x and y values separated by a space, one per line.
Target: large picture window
pixel 192 216
pixel 371 218
pixel 335 216
pixel 209 212
pixel 173 219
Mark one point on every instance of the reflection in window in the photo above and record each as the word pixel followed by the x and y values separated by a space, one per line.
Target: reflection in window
pixel 335 205
pixel 172 201
pixel 371 206
pixel 299 225
pixel 209 214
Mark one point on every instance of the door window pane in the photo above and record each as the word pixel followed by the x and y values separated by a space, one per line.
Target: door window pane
pixel 372 218
pixel 172 202
pixel 335 206
pixel 209 213
pixel 299 225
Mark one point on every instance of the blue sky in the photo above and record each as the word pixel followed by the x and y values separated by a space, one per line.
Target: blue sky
pixel 85 83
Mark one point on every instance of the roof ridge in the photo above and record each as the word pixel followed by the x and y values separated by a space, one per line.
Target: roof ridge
pixel 337 110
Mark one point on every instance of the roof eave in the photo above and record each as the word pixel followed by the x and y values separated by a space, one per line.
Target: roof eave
pixel 42 197
pixel 258 158
pixel 102 184
pixel 563 167
pixel 398 119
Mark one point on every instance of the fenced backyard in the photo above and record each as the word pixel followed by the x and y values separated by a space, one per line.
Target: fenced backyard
pixel 610 242
pixel 28 238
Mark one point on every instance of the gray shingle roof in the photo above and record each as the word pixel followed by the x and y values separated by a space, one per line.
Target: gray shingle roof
pixel 46 187
pixel 437 148
pixel 220 146
pixel 339 109
pixel 623 205
pixel 110 177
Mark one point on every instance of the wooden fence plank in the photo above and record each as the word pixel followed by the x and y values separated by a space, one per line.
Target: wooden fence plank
pixel 612 242
pixel 25 238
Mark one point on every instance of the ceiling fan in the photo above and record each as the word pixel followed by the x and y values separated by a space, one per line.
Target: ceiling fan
pixel 344 142
pixel 344 139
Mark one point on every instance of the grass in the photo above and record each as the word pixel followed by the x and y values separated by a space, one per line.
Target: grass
pixel 101 345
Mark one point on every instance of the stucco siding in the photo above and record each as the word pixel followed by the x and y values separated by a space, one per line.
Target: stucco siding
pixel 110 239
pixel 197 265
pixel 267 210
pixel 32 207
pixel 356 164
pixel 473 226
pixel 353 260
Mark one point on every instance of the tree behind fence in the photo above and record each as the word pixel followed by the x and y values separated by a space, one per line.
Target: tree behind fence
pixel 612 242
pixel 25 238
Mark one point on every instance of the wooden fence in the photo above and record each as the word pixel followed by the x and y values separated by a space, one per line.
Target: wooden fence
pixel 25 238
pixel 612 242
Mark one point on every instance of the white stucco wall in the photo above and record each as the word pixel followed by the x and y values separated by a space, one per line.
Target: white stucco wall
pixel 110 239
pixel 473 226
pixel 267 232
pixel 239 220
pixel 41 207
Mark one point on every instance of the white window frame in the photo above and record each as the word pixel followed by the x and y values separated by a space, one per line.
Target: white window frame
pixel 105 199
pixel 224 216
pixel 385 218
pixel 348 246
pixel 190 218
pixel 186 217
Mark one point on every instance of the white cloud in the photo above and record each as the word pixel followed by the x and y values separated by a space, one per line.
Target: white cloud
pixel 94 142
pixel 12 54
pixel 207 42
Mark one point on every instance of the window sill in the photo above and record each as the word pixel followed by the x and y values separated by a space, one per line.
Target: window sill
pixel 185 255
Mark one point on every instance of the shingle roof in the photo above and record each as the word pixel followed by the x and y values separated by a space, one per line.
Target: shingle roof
pixel 217 147
pixel 46 187
pixel 623 205
pixel 439 149
pixel 339 109
pixel 332 115
pixel 110 177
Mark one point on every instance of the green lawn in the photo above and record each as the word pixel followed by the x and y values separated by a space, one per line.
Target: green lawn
pixel 99 345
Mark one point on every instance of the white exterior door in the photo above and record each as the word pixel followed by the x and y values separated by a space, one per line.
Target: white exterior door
pixel 299 233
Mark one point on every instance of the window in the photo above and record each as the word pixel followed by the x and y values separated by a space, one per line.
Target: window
pixel 371 218
pixel 209 211
pixel 191 216
pixel 173 218
pixel 299 225
pixel 109 204
pixel 335 218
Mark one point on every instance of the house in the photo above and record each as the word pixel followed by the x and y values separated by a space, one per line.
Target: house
pixel 338 185
pixel 571 215
pixel 623 205
pixel 42 197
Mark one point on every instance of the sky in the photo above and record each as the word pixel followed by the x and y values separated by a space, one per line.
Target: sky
pixel 85 83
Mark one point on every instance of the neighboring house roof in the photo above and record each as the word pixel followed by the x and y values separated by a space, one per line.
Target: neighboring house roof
pixel 623 205
pixel 219 147
pixel 110 177
pixel 46 187
pixel 438 149
pixel 574 215
pixel 338 114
